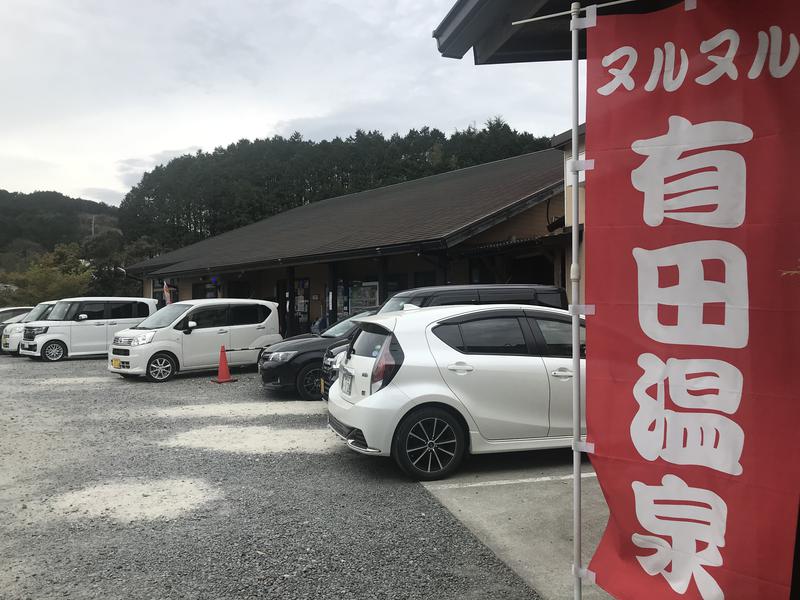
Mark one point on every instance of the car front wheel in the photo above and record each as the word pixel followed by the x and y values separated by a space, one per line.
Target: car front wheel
pixel 308 382
pixel 54 351
pixel 429 444
pixel 160 368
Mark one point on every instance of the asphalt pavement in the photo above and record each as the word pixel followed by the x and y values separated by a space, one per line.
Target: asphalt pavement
pixel 113 488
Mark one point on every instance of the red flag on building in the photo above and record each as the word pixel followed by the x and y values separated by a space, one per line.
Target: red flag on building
pixel 167 297
pixel 692 225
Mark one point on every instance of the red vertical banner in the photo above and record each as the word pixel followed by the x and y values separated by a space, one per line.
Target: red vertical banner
pixel 692 235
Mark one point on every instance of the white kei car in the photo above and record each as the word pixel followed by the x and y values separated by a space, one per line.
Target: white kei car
pixel 82 326
pixel 12 334
pixel 427 386
pixel 188 335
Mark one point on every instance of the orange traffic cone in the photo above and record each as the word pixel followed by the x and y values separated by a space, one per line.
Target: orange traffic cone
pixel 223 374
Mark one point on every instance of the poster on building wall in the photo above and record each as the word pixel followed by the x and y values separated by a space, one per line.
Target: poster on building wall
pixel 692 244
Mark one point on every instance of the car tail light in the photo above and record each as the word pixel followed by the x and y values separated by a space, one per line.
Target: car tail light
pixel 387 364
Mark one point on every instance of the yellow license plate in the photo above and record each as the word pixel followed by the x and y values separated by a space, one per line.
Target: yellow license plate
pixel 115 363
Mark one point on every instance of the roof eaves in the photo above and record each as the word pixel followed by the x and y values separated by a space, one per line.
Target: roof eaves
pixel 480 225
pixel 366 252
pixel 562 140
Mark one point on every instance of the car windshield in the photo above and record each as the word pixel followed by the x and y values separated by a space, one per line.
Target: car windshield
pixel 164 317
pixel 39 313
pixel 16 319
pixel 343 327
pixel 398 302
pixel 61 311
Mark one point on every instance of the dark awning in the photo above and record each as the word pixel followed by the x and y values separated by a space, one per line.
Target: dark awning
pixel 485 26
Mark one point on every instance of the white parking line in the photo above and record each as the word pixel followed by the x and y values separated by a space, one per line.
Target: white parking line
pixel 453 486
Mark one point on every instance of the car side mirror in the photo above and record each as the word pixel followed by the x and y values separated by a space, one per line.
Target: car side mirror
pixel 82 317
pixel 189 326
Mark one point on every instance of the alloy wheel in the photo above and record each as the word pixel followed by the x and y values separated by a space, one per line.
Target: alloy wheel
pixel 431 445
pixel 54 352
pixel 160 368
pixel 311 382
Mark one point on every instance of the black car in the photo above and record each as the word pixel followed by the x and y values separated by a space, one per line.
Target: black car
pixel 296 362
pixel 445 295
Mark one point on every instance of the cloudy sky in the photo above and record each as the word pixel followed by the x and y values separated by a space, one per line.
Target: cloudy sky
pixel 95 92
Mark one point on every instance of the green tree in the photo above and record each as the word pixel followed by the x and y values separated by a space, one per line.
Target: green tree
pixel 54 275
pixel 197 196
pixel 107 255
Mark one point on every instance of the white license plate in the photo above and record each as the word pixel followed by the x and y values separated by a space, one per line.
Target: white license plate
pixel 347 382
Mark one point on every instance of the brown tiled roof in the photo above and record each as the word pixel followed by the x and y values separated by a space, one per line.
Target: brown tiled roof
pixel 432 212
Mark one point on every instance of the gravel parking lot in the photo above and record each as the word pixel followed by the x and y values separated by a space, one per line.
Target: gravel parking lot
pixel 111 488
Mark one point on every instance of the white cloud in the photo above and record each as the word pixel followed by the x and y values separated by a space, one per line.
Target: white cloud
pixel 98 86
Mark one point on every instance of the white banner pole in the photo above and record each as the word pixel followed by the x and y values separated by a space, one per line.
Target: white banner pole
pixel 575 278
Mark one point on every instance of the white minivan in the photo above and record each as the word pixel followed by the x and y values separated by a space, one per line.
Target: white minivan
pixel 82 326
pixel 188 335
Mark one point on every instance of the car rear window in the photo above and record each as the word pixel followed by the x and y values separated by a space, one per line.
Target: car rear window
pixel 554 299
pixel 508 296
pixel 122 310
pixel 454 297
pixel 450 334
pixel 368 343
pixel 499 335
pixel 248 314
pixel 558 337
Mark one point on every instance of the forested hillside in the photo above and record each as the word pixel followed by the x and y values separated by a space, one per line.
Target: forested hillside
pixel 31 224
pixel 47 250
pixel 197 196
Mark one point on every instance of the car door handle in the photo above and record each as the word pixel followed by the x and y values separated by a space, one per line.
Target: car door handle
pixel 222 331
pixel 112 323
pixel 562 373
pixel 261 327
pixel 99 324
pixel 460 368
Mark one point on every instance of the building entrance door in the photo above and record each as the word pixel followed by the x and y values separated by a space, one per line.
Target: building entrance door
pixel 302 301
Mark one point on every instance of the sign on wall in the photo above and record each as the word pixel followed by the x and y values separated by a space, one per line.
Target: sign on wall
pixel 692 223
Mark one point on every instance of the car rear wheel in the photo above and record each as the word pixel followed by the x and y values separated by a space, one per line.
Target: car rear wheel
pixel 429 444
pixel 54 351
pixel 160 368
pixel 307 382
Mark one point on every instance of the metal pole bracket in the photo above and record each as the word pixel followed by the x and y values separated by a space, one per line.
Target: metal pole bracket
pixel 576 166
pixel 587 310
pixel 590 20
pixel 584 574
pixel 585 447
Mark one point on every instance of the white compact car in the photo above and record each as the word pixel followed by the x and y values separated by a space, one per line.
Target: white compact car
pixel 82 326
pixel 428 385
pixel 12 334
pixel 188 335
